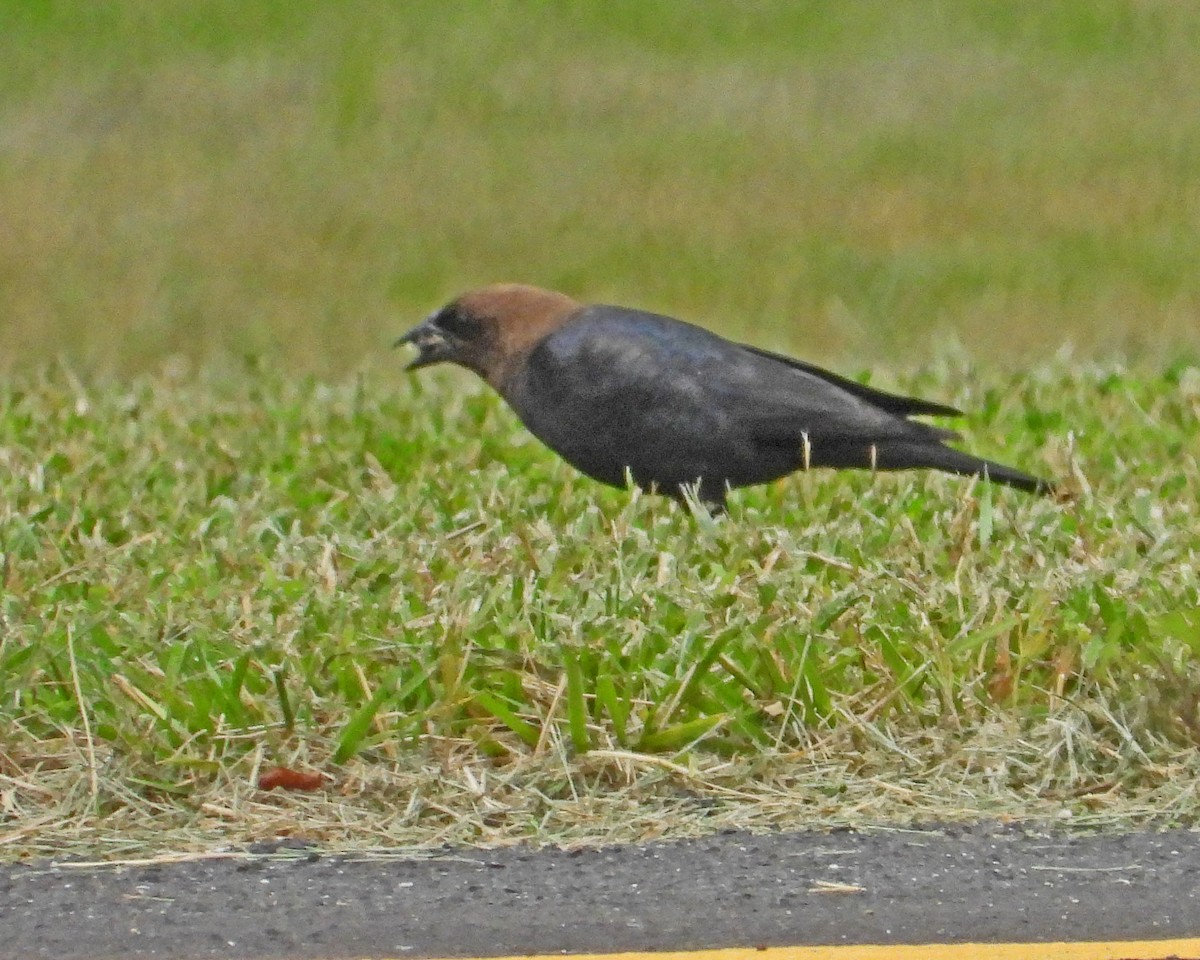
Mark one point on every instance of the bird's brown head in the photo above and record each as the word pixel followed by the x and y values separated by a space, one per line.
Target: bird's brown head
pixel 489 330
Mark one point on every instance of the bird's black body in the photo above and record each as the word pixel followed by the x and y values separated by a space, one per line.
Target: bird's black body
pixel 620 392
pixel 616 389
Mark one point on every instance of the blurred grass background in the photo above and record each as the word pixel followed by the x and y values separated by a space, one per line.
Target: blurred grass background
pixel 299 180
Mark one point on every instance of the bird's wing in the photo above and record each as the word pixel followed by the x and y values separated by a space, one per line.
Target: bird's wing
pixel 891 402
pixel 788 400
pixel 780 402
pixel 658 372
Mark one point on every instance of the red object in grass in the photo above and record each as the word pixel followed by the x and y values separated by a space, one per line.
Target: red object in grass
pixel 290 780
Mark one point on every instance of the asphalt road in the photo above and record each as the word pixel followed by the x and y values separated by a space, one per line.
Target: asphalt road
pixel 948 885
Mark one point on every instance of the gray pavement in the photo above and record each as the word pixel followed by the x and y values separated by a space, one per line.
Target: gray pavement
pixel 952 884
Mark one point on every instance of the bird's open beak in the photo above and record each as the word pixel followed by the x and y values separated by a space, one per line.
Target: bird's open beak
pixel 431 343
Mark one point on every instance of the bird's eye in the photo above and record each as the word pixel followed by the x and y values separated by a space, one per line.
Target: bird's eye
pixel 458 323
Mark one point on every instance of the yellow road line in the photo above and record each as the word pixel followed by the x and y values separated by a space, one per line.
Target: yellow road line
pixel 1188 949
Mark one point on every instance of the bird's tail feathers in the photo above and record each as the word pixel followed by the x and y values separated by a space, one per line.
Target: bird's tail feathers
pixel 939 457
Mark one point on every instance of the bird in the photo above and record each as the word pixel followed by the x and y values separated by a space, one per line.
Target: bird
pixel 627 395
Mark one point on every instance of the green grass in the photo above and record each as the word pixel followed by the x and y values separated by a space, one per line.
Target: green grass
pixel 389 581
pixel 232 534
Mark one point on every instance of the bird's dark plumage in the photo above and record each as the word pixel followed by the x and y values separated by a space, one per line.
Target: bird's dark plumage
pixel 617 391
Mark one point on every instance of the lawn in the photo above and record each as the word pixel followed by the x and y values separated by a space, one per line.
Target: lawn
pixel 391 583
pixel 234 534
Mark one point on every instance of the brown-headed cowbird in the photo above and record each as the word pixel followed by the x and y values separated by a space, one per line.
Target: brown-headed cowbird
pixel 620 392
